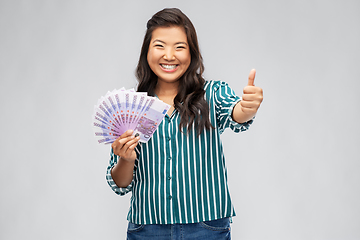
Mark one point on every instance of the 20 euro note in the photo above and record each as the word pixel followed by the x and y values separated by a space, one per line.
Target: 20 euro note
pixel 150 119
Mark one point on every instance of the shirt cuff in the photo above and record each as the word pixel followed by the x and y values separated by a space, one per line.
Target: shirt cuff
pixel 235 126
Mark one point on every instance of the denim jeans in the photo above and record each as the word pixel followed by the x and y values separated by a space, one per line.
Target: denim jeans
pixel 210 230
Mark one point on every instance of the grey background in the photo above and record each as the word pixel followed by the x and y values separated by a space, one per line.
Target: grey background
pixel 294 175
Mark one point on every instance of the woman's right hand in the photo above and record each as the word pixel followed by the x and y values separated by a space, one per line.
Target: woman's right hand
pixel 125 145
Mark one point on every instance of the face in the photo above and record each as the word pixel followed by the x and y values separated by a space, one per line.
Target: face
pixel 169 53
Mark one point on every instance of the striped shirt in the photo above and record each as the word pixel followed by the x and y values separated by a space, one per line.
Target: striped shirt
pixel 182 178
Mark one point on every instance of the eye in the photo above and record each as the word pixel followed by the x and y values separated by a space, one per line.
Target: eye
pixel 159 45
pixel 180 47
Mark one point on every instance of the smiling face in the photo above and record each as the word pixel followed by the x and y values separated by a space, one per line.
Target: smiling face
pixel 169 54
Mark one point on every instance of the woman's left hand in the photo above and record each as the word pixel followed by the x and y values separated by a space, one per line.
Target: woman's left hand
pixel 252 97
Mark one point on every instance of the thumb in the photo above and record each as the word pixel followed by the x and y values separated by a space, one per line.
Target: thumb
pixel 251 77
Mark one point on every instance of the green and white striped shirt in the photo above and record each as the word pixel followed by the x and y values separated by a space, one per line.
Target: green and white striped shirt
pixel 182 178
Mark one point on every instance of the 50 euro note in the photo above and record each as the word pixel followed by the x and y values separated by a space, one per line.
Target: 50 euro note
pixel 151 118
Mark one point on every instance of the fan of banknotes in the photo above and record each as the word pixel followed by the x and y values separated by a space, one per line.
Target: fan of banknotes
pixel 120 110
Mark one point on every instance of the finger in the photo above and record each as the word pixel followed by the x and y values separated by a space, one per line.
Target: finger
pixel 249 104
pixel 130 145
pixel 120 141
pixel 251 77
pixel 122 145
pixel 133 145
pixel 125 140
pixel 127 133
pixel 247 97
pixel 251 90
pixel 249 110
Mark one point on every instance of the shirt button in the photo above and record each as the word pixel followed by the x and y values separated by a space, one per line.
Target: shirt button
pixel 169 158
pixel 169 177
pixel 170 197
pixel 169 138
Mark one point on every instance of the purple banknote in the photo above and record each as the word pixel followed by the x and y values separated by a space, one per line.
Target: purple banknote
pixel 120 110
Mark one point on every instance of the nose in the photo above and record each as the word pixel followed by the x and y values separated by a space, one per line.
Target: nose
pixel 169 55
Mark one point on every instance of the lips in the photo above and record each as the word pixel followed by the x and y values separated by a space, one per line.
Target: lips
pixel 169 67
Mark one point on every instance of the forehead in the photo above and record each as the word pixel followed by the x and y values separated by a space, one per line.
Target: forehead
pixel 169 34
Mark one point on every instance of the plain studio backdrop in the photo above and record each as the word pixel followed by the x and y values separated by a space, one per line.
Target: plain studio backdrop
pixel 294 175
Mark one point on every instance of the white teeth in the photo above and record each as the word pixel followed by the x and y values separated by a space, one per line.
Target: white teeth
pixel 168 66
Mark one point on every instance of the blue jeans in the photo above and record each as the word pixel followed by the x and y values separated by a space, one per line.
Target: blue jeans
pixel 210 230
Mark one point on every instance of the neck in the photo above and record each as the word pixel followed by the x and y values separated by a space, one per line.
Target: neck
pixel 167 89
pixel 167 93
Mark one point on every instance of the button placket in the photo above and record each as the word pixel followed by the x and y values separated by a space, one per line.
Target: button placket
pixel 168 158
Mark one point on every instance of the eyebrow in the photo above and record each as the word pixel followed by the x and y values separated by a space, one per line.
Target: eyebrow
pixel 157 40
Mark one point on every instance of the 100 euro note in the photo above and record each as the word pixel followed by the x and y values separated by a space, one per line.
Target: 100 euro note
pixel 150 119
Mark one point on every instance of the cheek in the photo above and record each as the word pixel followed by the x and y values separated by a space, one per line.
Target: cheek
pixel 149 56
pixel 188 63
pixel 185 59
pixel 151 60
pixel 188 58
pixel 153 57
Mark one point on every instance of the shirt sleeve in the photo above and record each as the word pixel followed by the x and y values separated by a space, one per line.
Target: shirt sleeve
pixel 113 161
pixel 225 100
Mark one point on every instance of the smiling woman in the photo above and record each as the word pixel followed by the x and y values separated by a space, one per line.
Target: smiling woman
pixel 168 56
pixel 178 178
pixel 170 40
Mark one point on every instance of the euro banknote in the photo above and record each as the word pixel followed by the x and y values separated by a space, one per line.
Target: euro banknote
pixel 120 110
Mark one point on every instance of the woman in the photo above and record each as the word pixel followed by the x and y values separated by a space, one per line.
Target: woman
pixel 178 178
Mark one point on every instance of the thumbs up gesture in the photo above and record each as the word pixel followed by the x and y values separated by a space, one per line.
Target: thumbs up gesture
pixel 250 103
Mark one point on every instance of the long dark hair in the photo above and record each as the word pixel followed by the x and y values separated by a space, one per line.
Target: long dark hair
pixel 189 101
